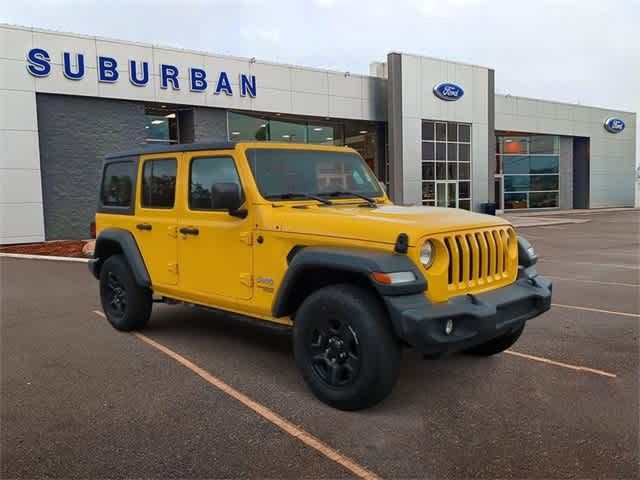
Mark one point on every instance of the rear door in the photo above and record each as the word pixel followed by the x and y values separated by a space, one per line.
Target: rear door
pixel 155 227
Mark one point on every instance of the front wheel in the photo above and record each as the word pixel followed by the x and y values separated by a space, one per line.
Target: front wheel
pixel 497 345
pixel 345 348
pixel 126 305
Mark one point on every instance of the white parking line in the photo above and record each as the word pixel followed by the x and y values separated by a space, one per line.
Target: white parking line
pixel 44 257
pixel 593 264
pixel 599 282
pixel 597 310
pixel 562 364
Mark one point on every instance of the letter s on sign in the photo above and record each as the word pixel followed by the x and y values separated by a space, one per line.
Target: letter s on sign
pixel 39 65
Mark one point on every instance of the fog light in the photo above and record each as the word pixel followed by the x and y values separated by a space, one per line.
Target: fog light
pixel 448 328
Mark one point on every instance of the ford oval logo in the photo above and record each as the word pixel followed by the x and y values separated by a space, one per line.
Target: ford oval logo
pixel 614 125
pixel 448 91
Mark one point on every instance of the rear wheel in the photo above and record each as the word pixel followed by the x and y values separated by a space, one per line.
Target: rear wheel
pixel 497 345
pixel 345 348
pixel 126 305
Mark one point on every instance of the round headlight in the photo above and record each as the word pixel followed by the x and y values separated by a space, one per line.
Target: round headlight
pixel 426 254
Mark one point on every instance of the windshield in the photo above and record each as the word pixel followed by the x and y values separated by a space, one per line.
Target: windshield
pixel 281 173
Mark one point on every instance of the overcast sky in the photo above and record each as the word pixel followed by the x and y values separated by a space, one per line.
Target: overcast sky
pixel 585 51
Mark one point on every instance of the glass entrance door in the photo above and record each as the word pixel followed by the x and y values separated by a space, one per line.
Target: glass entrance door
pixel 447 194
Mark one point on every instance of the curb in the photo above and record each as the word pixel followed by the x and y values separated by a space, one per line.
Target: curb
pixel 44 257
pixel 548 224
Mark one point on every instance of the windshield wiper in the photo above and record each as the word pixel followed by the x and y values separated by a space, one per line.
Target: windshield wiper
pixel 370 201
pixel 291 196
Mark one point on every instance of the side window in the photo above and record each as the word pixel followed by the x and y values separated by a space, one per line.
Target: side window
pixel 117 184
pixel 158 183
pixel 205 174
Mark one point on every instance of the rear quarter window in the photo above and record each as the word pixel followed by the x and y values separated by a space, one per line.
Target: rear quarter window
pixel 117 190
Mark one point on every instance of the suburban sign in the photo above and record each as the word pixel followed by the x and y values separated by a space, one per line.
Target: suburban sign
pixel 614 125
pixel 109 71
pixel 448 91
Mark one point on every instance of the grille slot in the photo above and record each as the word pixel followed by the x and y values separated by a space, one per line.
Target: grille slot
pixel 478 257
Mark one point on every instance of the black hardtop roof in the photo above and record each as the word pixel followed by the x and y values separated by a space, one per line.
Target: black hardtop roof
pixel 179 147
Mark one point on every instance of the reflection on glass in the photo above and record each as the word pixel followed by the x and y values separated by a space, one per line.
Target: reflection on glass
pixel 441 171
pixel 465 189
pixel 441 131
pixel 428 191
pixel 451 194
pixel 427 131
pixel 544 144
pixel 428 170
pixel 287 131
pixel 516 183
pixel 428 151
pixel 441 151
pixel 515 200
pixel 464 152
pixel 464 133
pixel 452 171
pixel 543 164
pixel 246 127
pixel 543 200
pixel 515 164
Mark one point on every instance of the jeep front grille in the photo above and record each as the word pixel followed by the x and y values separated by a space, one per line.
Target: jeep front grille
pixel 478 258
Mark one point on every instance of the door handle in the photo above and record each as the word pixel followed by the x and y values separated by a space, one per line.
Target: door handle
pixel 189 231
pixel 144 226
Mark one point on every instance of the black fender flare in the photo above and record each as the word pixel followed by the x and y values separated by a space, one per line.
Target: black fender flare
pixel 127 243
pixel 349 260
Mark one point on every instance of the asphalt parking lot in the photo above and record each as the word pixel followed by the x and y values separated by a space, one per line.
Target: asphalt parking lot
pixel 79 399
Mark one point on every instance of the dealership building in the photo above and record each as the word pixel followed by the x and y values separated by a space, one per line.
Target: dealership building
pixel 434 131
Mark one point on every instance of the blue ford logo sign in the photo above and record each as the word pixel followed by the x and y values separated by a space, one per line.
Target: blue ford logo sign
pixel 614 125
pixel 448 91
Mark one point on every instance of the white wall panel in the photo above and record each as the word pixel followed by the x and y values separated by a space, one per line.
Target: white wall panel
pixel 16 186
pixel 21 223
pixel 18 110
pixel 344 107
pixel 19 149
pixel 14 76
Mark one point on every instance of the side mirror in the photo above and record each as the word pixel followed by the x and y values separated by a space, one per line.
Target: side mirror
pixel 227 196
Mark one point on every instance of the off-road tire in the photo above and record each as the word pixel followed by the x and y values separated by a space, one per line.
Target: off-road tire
pixel 497 345
pixel 358 314
pixel 132 307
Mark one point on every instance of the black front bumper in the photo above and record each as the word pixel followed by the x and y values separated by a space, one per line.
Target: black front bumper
pixel 476 318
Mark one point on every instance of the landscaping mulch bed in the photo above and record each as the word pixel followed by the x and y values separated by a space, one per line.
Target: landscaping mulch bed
pixel 56 248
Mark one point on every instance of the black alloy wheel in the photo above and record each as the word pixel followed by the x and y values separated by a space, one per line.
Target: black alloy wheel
pixel 335 352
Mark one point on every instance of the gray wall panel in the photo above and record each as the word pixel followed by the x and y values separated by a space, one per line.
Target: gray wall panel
pixel 75 135
pixel 566 172
pixel 209 124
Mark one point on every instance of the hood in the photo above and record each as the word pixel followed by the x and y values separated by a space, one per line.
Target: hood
pixel 382 224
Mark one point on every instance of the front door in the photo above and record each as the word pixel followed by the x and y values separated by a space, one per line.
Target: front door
pixel 447 194
pixel 214 248
pixel 156 217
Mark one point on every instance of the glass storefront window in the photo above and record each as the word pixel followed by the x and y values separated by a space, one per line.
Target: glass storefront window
pixel 543 164
pixel 287 131
pixel 428 151
pixel 160 125
pixel 245 127
pixel 544 144
pixel 323 134
pixel 359 135
pixel 530 168
pixel 515 201
pixel 446 157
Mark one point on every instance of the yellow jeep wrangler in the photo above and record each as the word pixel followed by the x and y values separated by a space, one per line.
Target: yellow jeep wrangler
pixel 304 236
